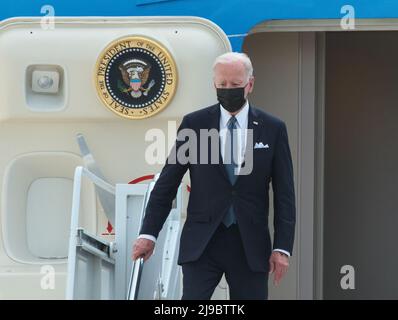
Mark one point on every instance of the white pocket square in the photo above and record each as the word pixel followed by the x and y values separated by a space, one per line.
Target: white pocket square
pixel 260 145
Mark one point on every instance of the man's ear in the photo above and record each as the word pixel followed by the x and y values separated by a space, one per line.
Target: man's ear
pixel 251 86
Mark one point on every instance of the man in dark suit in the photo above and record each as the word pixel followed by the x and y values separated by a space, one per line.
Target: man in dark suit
pixel 226 230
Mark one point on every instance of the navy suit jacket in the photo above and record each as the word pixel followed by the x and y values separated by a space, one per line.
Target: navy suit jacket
pixel 212 193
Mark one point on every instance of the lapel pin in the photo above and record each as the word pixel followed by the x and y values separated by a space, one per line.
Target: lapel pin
pixel 255 122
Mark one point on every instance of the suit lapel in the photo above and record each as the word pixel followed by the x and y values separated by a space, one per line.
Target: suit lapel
pixel 215 124
pixel 254 125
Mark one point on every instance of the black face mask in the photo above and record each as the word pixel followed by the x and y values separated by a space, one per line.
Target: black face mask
pixel 231 99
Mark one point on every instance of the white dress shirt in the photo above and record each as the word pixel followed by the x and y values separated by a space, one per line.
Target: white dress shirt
pixel 242 119
pixel 241 127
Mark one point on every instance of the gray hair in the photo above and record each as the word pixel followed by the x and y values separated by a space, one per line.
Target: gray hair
pixel 233 57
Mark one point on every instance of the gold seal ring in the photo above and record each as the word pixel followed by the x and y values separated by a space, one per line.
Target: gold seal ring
pixel 135 77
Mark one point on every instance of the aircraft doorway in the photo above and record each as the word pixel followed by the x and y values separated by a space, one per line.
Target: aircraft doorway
pixel 337 93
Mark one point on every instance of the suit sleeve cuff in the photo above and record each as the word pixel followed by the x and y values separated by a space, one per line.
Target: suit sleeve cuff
pixel 147 236
pixel 283 251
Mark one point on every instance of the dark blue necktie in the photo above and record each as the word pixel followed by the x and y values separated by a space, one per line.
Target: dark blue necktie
pixel 230 158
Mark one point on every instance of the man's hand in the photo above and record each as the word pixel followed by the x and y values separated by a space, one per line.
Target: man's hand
pixel 143 248
pixel 278 264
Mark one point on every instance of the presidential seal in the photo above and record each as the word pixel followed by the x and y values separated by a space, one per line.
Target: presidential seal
pixel 135 77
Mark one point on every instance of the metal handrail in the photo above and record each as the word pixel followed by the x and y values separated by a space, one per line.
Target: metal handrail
pixel 135 279
pixel 136 270
pixel 74 224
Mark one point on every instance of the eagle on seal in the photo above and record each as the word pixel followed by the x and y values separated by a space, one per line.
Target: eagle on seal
pixel 135 74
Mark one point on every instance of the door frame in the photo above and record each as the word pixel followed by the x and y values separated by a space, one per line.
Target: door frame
pixel 311 140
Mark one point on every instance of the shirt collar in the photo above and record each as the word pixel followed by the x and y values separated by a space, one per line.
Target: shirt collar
pixel 241 117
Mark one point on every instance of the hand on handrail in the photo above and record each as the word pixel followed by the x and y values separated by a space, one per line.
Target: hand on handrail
pixel 143 248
